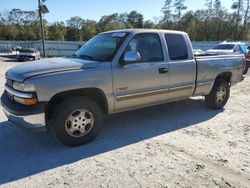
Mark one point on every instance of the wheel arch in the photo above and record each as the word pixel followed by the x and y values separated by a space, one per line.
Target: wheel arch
pixel 225 76
pixel 94 94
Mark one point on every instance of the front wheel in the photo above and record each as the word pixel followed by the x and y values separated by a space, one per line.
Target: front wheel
pixel 219 95
pixel 77 121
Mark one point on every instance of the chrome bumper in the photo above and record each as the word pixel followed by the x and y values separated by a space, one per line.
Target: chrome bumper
pixel 29 121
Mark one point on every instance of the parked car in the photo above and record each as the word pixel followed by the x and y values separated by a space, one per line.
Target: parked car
pixel 198 52
pixel 113 72
pixel 27 54
pixel 228 48
pixel 16 48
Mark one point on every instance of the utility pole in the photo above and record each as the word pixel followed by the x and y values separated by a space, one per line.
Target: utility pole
pixel 41 24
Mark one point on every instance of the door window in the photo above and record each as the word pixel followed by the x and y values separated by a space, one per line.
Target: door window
pixel 148 45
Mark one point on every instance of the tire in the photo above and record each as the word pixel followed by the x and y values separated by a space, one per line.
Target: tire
pixel 245 70
pixel 219 95
pixel 77 121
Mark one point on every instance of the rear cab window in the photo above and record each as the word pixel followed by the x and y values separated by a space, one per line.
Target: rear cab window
pixel 177 46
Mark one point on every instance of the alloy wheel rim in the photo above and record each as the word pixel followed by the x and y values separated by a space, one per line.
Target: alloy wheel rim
pixel 79 123
pixel 221 95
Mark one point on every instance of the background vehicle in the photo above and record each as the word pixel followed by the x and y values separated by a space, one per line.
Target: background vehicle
pixel 27 54
pixel 16 48
pixel 227 48
pixel 113 72
pixel 198 52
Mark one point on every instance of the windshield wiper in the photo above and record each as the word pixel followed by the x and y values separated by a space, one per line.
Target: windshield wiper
pixel 73 56
pixel 86 57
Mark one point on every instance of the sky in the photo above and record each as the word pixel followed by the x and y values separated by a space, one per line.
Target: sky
pixel 62 10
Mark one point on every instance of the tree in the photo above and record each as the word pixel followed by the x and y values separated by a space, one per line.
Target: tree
pixel 179 7
pixel 57 31
pixel 88 29
pixel 73 28
pixel 246 18
pixel 123 20
pixel 108 22
pixel 212 23
pixel 209 5
pixel 75 22
pixel 18 16
pixel 217 8
pixel 135 19
pixel 238 6
pixel 243 16
pixel 149 24
pixel 167 11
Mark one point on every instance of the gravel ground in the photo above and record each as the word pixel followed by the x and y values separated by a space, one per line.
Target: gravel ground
pixel 180 144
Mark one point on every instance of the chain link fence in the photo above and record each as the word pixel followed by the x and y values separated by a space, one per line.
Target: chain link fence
pixel 67 48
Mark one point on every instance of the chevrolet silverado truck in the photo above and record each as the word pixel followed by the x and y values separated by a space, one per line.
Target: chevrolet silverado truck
pixel 113 72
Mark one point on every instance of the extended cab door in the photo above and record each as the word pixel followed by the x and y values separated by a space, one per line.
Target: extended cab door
pixel 144 83
pixel 182 66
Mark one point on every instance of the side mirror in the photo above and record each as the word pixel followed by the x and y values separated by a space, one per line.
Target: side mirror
pixel 131 57
pixel 248 47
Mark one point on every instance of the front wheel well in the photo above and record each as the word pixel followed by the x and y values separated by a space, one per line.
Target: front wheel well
pixel 94 94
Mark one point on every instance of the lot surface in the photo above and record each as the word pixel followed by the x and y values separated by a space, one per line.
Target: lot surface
pixel 180 144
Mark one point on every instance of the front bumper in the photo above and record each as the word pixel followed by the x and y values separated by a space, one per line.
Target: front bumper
pixel 24 116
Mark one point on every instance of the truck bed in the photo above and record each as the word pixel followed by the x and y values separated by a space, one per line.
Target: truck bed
pixel 208 67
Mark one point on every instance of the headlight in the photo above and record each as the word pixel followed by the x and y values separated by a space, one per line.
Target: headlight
pixel 24 87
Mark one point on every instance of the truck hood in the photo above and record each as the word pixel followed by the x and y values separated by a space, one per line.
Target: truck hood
pixel 21 72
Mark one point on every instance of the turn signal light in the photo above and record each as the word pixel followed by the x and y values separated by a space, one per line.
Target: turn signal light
pixel 27 102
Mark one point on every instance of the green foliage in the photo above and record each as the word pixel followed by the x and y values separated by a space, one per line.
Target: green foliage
pixel 57 31
pixel 108 22
pixel 179 6
pixel 167 11
pixel 213 22
pixel 88 29
pixel 135 19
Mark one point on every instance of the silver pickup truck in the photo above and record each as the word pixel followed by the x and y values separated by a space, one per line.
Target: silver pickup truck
pixel 113 72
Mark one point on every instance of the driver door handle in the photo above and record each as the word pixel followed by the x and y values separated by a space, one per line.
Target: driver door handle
pixel 163 70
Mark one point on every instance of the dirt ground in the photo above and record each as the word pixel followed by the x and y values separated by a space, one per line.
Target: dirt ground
pixel 180 144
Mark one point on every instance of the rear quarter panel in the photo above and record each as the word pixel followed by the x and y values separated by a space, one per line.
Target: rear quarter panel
pixel 208 68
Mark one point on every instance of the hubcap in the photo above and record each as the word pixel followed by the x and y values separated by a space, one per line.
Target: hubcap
pixel 221 95
pixel 79 123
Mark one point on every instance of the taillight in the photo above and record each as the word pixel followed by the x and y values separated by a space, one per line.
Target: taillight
pixel 244 64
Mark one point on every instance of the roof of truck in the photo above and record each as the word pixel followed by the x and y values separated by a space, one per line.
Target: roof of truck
pixel 145 30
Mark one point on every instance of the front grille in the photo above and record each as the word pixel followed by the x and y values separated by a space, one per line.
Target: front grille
pixel 11 97
pixel 9 83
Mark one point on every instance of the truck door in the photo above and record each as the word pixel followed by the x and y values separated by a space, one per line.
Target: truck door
pixel 144 83
pixel 182 66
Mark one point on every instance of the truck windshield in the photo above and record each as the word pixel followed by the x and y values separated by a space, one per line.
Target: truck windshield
pixel 101 47
pixel 224 47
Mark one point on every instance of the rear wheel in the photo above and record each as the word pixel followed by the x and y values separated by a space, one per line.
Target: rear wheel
pixel 77 121
pixel 219 95
pixel 245 70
